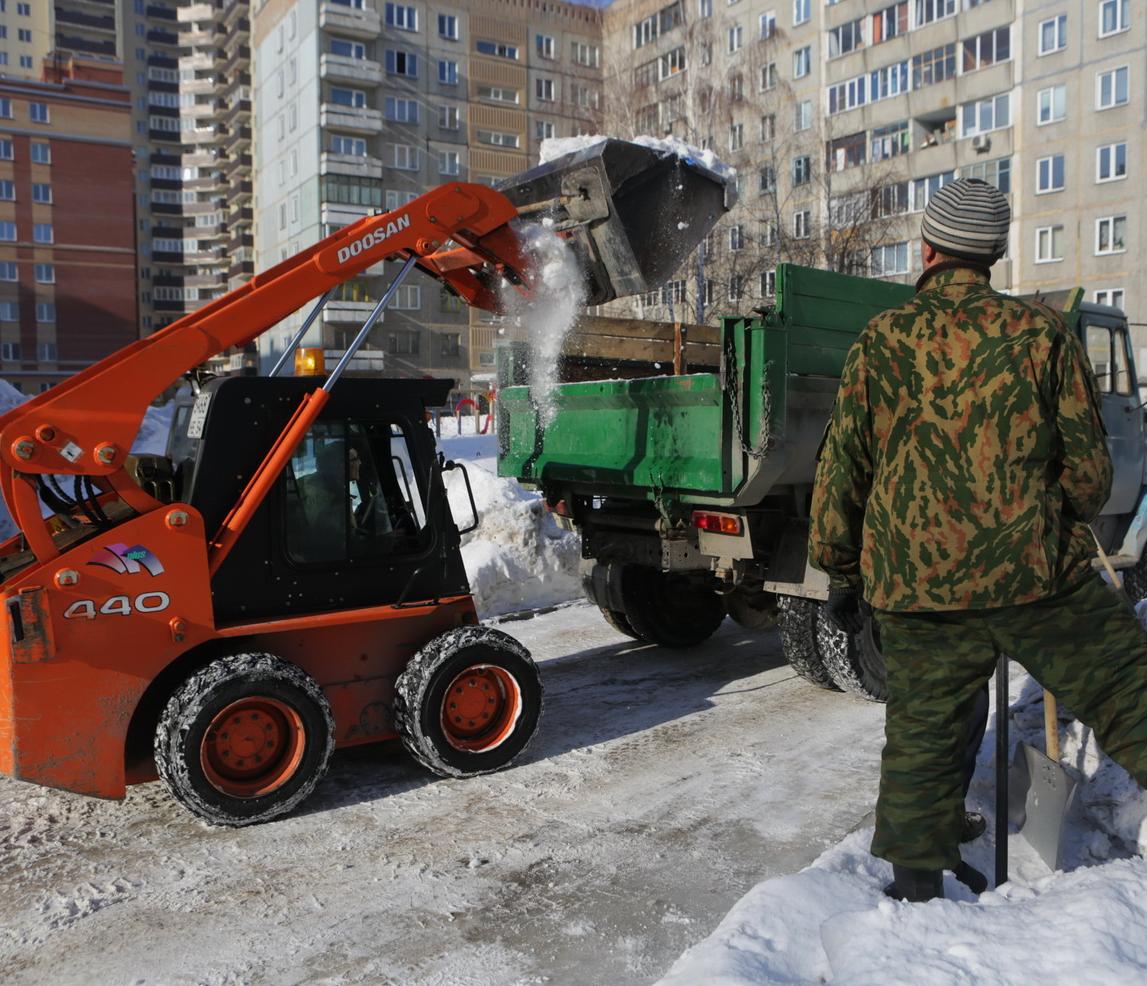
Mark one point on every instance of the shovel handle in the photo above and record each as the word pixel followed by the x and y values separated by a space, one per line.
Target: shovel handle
pixel 1111 573
pixel 1050 726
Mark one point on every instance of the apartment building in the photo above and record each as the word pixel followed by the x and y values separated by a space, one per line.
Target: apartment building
pixel 67 256
pixel 843 118
pixel 401 97
pixel 25 37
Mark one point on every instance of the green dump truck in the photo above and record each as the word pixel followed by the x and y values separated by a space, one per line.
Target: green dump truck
pixel 692 492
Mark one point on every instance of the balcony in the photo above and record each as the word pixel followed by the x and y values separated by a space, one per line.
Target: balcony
pixel 347 311
pixel 343 68
pixel 347 119
pixel 197 12
pixel 92 22
pixel 158 36
pixel 349 164
pixel 347 20
pixel 334 214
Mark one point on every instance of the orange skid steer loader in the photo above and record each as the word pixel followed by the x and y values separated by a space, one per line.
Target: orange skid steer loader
pixel 288 579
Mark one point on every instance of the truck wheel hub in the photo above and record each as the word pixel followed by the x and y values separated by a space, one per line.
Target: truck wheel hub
pixel 480 708
pixel 252 747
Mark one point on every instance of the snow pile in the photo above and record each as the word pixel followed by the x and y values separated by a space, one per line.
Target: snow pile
pixel 517 558
pixel 549 313
pixel 555 147
pixel 831 923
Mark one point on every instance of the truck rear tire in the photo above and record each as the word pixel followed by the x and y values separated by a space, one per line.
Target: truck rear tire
pixel 244 739
pixel 468 703
pixel 797 620
pixel 668 609
pixel 855 661
pixel 618 620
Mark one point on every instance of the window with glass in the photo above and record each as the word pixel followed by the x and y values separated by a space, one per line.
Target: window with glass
pixel 802 224
pixel 802 11
pixel 7 231
pixel 1049 174
pixel 353 146
pixel 448 117
pixel 9 311
pixel 766 25
pixel 1053 34
pixel 986 115
pixel 802 62
pixel 9 270
pixel 405 157
pixel 1111 162
pixel 45 273
pixel 998 173
pixel 987 49
pixel 544 46
pixel 845 38
pixel 1109 296
pixel 42 233
pixel 768 76
pixel 498 94
pixel 927 11
pixel 348 49
pixel 400 110
pixel 1113 17
pixel 935 65
pixel 402 17
pixel 766 178
pixel 736 287
pixel 398 62
pixel 1051 105
pixel 891 141
pixel 802 169
pixel 447 72
pixel 924 188
pixel 735 38
pixel 1112 88
pixel 1048 244
pixel 39 113
pixel 847 95
pixel 891 80
pixel 889 259
pixel 1110 234
pixel 803 116
pixel 890 22
pixel 498 49
pixel 736 136
pixel 736 237
pixel 1108 348
pixel 448 27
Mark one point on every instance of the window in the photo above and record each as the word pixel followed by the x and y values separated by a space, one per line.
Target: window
pixel 1053 34
pixel 736 238
pixel 802 11
pixel 1048 244
pixel 803 120
pixel 767 25
pixel 24 34
pixel 45 274
pixel 848 95
pixel 704 8
pixel 802 62
pixel 6 109
pixel 933 66
pixel 408 298
pixel 1112 17
pixel 1049 174
pixel 848 37
pixel 48 354
pixel 6 149
pixel 405 157
pixel 38 112
pixel 989 114
pixel 544 90
pixel 9 312
pixel 1052 104
pixel 497 138
pixel 924 188
pixel 768 76
pixel 735 38
pixel 400 110
pixel 934 10
pixel 768 233
pixel 448 27
pixel 583 96
pixel 767 178
pixel 544 45
pixel 585 54
pixel 348 49
pixel 998 173
pixel 736 287
pixel 447 72
pixel 449 163
pixel 7 231
pixel 42 192
pixel 448 117
pixel 1111 162
pixel 354 146
pixel 1110 233
pixel 402 17
pixel 45 311
pixel 1109 296
pixel 890 22
pixel 737 88
pixel 544 129
pixel 498 94
pixel 41 152
pixel 891 141
pixel 42 233
pixel 889 259
pixel 10 271
pixel 736 136
pixel 7 191
pixel 401 63
pixel 1108 350
pixel 671 63
pixel 497 49
pixel 987 49
pixel 802 169
pixel 1111 88
pixel 24 9
pixel 892 80
pixel 847 152
pixel 768 127
pixel 801 225
pixel 768 283
pixel 355 98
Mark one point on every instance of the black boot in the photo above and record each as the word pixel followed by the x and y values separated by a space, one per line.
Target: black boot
pixel 973 827
pixel 915 886
pixel 971 878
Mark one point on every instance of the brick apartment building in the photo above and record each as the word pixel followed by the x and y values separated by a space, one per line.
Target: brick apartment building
pixel 67 222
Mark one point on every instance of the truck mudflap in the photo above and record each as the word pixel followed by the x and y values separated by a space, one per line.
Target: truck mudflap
pixel 632 213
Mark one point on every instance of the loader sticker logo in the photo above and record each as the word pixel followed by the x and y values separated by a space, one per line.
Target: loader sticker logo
pixel 373 238
pixel 127 561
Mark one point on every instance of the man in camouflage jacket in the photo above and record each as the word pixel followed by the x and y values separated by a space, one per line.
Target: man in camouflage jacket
pixel 965 458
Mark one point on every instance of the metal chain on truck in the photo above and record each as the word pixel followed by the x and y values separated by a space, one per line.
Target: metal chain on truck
pixel 732 385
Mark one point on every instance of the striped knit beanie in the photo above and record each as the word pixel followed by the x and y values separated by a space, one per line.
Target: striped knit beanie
pixel 969 219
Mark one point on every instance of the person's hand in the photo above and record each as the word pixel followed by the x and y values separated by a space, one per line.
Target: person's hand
pixel 844 609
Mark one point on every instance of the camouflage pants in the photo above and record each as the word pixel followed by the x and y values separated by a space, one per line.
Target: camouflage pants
pixel 1084 646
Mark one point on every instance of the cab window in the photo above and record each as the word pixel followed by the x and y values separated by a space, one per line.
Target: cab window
pixel 1108 349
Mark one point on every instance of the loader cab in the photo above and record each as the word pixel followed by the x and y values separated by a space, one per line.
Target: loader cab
pixel 358 518
pixel 1105 336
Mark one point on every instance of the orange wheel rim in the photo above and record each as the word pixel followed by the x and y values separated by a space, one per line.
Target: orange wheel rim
pixel 252 747
pixel 481 708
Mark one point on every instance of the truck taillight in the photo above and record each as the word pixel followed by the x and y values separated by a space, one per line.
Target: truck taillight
pixel 717 523
pixel 561 509
pixel 310 362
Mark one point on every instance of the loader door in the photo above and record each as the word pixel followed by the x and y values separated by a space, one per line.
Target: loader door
pixel 1109 347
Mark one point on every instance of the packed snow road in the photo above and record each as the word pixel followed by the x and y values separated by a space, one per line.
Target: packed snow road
pixel 662 786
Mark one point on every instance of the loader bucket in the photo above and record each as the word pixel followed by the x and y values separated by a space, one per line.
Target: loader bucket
pixel 632 213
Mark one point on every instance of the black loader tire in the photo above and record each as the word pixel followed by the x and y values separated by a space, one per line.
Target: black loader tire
pixel 855 660
pixel 474 661
pixel 244 739
pixel 797 620
pixel 668 609
pixel 620 622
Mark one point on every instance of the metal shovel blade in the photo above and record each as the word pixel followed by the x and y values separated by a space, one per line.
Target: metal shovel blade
pixel 1040 796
